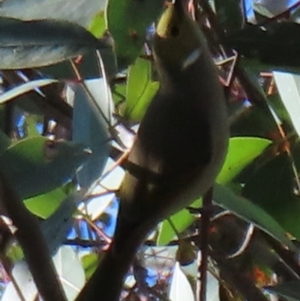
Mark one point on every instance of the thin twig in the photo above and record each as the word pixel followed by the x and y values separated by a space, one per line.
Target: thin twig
pixel 205 221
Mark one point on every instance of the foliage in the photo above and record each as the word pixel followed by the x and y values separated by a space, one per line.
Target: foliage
pixel 65 129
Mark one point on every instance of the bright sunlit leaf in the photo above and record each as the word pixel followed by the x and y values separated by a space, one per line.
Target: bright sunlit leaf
pixel 180 287
pixel 289 89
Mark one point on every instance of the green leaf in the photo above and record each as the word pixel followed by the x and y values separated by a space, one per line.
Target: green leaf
pixel 288 88
pixel 98 25
pixel 30 125
pixel 14 252
pixel 24 88
pixel 130 34
pixel 56 227
pixel 28 44
pixel 57 208
pixel 90 263
pixel 69 271
pixel 277 105
pixel 270 9
pixel 139 75
pixel 272 188
pixel 90 127
pixel 45 204
pixel 256 122
pixel 241 152
pixel 119 94
pixel 36 165
pixel 79 11
pixel 140 90
pixel 250 212
pixel 180 220
pixel 180 286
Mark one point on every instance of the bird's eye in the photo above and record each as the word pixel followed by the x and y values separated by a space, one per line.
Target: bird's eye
pixel 174 31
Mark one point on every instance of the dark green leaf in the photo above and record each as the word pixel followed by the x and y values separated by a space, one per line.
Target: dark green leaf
pixel 79 11
pixel 36 165
pixel 27 44
pixel 252 213
pixel 56 227
pixel 272 188
pixel 130 34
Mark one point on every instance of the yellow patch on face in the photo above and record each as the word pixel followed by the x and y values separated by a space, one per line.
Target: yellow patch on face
pixel 163 26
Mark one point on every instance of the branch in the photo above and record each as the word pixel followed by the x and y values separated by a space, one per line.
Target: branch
pixel 33 244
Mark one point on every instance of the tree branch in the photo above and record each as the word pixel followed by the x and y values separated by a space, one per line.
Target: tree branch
pixel 33 244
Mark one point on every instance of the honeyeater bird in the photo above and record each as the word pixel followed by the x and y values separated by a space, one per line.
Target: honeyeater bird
pixel 178 151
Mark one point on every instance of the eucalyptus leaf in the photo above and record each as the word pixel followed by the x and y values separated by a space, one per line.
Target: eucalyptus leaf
pixel 271 8
pixel 24 88
pixel 130 34
pixel 98 25
pixel 36 165
pixel 70 271
pixel 56 227
pixel 140 89
pixel 180 287
pixel 180 220
pixel 68 268
pixel 90 262
pixel 271 187
pixel 79 11
pixel 241 152
pixel 28 44
pixel 24 279
pixel 252 213
pixel 289 89
pixel 91 119
pixel 44 205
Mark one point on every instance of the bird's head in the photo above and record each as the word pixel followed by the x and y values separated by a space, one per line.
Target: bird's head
pixel 177 38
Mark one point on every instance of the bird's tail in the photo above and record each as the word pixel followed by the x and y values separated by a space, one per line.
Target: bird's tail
pixel 106 283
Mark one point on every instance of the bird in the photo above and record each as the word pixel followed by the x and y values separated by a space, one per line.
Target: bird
pixel 178 151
